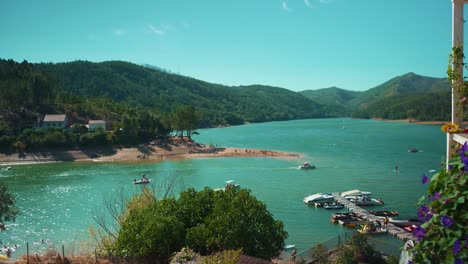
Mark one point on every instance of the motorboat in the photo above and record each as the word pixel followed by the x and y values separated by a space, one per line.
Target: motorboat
pixel 368 202
pixel 384 213
pixel 306 165
pixel 353 194
pixel 289 247
pixel 405 222
pixel 333 205
pixel 141 181
pixel 413 150
pixel 318 198
pixel 229 185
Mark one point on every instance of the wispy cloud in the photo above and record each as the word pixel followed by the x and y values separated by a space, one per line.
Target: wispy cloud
pixel 307 3
pixel 119 32
pixel 285 7
pixel 161 30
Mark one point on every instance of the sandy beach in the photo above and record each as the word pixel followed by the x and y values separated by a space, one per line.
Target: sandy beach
pixel 142 153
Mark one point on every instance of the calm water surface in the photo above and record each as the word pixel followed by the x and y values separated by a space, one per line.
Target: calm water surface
pixel 58 201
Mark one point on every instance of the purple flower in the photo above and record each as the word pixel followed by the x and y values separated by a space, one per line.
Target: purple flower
pixel 447 221
pixel 466 241
pixel 458 261
pixel 428 217
pixel 450 167
pixel 419 232
pixel 425 179
pixel 464 148
pixel 436 196
pixel 456 247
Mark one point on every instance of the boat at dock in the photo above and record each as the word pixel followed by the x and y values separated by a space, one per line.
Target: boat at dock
pixel 335 205
pixel 361 198
pixel 405 222
pixel 318 198
pixel 384 213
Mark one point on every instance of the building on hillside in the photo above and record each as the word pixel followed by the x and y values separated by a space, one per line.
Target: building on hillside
pixel 95 124
pixel 53 121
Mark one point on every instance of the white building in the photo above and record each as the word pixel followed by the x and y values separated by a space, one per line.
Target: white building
pixel 95 124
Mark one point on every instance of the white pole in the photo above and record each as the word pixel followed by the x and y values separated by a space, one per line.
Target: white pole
pixel 457 41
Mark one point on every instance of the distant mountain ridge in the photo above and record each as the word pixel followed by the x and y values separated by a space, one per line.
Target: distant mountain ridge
pixel 407 96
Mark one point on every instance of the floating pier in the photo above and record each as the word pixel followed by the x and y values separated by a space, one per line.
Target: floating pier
pixel 391 229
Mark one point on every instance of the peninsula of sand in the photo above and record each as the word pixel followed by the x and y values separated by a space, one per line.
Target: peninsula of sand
pixel 154 151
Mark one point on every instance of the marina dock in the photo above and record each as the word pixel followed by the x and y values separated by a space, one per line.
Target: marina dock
pixel 391 229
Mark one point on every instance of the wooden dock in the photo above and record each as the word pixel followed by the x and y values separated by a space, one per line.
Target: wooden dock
pixel 391 229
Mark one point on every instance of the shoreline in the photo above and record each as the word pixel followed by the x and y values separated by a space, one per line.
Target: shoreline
pixel 142 153
pixel 414 121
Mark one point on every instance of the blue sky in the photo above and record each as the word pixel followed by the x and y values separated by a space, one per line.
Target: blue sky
pixel 294 44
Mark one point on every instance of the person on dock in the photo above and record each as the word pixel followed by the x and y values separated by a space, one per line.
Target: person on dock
pixel 379 225
pixel 386 220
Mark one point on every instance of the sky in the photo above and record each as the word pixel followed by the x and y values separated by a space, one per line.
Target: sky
pixel 295 44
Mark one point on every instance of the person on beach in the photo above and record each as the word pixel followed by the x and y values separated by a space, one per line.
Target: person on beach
pixel 293 254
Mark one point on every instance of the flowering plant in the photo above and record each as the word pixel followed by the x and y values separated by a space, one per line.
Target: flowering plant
pixel 443 238
pixel 450 128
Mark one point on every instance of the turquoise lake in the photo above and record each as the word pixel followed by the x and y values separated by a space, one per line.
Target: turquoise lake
pixel 58 201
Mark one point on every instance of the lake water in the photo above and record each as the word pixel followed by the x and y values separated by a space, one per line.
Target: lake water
pixel 58 200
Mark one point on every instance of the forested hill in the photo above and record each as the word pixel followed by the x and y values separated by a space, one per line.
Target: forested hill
pixel 408 96
pixel 146 87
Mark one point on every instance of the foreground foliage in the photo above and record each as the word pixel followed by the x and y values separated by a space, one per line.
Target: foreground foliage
pixel 8 211
pixel 207 221
pixel 444 235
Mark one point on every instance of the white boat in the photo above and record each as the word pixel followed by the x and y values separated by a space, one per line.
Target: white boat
pixel 318 197
pixel 142 181
pixel 355 194
pixel 306 165
pixel 289 247
pixel 333 206
pixel 229 185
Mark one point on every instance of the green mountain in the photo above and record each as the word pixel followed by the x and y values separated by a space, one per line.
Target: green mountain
pixel 334 97
pixel 407 96
pixel 162 91
pixel 407 84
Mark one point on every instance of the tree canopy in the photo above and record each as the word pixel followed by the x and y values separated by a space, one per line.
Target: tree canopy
pixel 8 211
pixel 206 221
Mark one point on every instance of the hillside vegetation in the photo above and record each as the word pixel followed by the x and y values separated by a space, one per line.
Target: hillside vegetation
pixel 143 103
pixel 139 86
pixel 408 96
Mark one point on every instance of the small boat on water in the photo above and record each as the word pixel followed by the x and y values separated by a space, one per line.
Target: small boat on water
pixel 143 180
pixel 413 150
pixel 318 198
pixel 289 247
pixel 306 165
pixel 229 185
